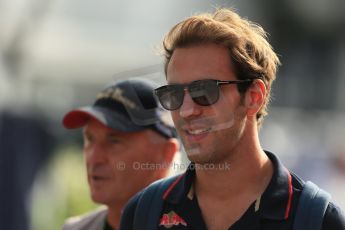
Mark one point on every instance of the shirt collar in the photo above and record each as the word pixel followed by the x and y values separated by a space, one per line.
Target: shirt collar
pixel 180 188
pixel 275 202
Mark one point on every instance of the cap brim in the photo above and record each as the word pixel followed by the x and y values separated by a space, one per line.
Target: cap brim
pixel 80 117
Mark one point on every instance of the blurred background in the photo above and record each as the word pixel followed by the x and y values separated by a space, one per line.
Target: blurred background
pixel 57 54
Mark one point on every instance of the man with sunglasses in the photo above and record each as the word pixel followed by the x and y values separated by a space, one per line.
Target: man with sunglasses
pixel 219 68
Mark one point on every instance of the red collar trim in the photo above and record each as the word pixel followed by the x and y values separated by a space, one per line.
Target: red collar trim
pixel 288 206
pixel 167 192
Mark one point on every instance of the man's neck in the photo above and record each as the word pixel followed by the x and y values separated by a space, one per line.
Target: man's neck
pixel 236 176
pixel 248 170
pixel 229 193
pixel 114 215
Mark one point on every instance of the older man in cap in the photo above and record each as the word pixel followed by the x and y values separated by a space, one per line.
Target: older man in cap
pixel 128 143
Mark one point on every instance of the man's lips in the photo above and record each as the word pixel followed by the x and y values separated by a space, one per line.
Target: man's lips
pixel 197 131
pixel 97 177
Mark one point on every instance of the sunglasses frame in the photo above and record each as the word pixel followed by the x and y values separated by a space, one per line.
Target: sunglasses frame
pixel 186 87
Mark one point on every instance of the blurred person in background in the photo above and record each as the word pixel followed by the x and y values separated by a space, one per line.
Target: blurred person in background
pixel 128 143
pixel 219 68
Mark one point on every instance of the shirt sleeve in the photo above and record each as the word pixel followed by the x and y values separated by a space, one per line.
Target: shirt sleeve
pixel 334 218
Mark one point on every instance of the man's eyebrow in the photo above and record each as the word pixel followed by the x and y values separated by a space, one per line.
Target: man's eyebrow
pixel 114 134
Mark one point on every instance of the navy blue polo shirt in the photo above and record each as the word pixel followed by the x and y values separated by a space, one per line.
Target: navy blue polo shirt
pixel 274 210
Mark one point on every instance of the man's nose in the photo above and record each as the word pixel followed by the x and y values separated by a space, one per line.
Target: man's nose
pixel 189 108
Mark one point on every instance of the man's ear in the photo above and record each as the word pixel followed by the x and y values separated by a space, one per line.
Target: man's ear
pixel 255 97
pixel 171 148
pixel 170 151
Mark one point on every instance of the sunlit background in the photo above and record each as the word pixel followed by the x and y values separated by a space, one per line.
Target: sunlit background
pixel 57 54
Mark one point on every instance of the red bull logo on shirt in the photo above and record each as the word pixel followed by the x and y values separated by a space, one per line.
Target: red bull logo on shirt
pixel 171 219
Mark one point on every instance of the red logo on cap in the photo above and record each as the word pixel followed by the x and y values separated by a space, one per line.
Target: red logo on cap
pixel 171 219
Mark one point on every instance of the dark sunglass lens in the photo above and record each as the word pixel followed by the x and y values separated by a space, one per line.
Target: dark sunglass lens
pixel 171 96
pixel 204 92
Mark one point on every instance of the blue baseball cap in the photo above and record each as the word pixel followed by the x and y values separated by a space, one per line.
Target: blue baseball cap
pixel 128 106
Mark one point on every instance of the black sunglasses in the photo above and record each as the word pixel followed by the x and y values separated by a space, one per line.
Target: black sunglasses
pixel 203 92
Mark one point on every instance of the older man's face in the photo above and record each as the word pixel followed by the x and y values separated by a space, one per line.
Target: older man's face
pixel 113 161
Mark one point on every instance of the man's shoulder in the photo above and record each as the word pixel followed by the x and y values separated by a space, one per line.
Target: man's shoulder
pixel 91 220
pixel 334 218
